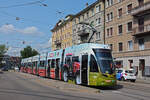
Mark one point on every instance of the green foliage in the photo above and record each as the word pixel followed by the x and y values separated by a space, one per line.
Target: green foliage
pixel 28 52
pixel 3 50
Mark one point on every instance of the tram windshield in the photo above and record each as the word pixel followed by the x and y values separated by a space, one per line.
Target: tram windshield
pixel 105 60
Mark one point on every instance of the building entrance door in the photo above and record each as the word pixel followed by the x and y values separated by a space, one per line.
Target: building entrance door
pixel 142 66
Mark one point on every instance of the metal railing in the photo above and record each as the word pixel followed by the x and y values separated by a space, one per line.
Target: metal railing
pixel 57 42
pixel 141 29
pixel 141 8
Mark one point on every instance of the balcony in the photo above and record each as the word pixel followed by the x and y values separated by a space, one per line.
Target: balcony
pixel 83 32
pixel 141 30
pixel 141 10
pixel 57 42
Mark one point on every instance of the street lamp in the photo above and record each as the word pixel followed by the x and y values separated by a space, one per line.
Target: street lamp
pixel 91 27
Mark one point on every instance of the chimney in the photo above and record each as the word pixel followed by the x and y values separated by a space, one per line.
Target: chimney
pixel 87 4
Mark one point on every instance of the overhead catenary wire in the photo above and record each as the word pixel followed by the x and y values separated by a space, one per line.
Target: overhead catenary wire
pixel 24 4
pixel 25 19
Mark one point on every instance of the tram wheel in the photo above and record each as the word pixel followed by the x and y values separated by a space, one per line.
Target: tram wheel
pixel 122 79
pixel 65 75
pixel 77 80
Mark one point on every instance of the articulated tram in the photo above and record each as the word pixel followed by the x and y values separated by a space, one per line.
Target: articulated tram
pixel 88 64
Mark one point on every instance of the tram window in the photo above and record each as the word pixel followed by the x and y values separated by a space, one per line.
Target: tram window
pixel 68 60
pixel 36 63
pixel 30 64
pixel 42 63
pixel 93 64
pixel 53 63
pixel 33 63
pixel 75 59
pixel 57 62
pixel 49 63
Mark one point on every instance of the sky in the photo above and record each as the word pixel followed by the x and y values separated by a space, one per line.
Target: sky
pixel 28 22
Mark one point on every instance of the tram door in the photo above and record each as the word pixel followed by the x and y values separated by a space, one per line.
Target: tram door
pixel 48 69
pixel 57 68
pixel 84 69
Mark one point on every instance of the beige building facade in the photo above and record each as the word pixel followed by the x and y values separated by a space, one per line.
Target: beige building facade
pixel 88 24
pixel 129 49
pixel 62 33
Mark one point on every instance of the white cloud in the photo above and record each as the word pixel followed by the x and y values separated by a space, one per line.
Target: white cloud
pixel 30 30
pixel 9 29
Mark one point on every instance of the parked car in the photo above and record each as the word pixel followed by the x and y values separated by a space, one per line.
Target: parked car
pixel 16 69
pixel 125 75
pixel 119 74
pixel 5 68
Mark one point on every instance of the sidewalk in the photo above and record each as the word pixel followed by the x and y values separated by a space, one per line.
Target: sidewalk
pixel 144 81
pixel 1 71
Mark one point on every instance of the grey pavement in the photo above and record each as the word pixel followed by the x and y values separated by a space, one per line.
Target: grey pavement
pixel 21 86
pixel 145 81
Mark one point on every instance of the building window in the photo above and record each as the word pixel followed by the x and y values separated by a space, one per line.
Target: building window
pixel 120 29
pixel 79 19
pixel 98 21
pixel 119 64
pixel 111 31
pixel 141 24
pixel 74 21
pixel 83 17
pixel 108 32
pixel 141 2
pixel 119 12
pixel 130 45
pixel 92 10
pixel 129 26
pixel 120 0
pixel 120 46
pixel 111 46
pixel 130 63
pixel 109 16
pixel 87 14
pixel 141 44
pixel 129 7
pixel 109 3
pixel 98 35
pixel 98 8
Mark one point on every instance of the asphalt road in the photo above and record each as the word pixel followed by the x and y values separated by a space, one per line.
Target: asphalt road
pixel 14 86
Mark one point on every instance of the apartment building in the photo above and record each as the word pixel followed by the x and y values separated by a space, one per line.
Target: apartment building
pixel 141 36
pixel 121 29
pixel 88 24
pixel 62 33
pixel 122 24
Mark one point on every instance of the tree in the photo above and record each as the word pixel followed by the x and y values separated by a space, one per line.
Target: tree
pixel 28 52
pixel 3 50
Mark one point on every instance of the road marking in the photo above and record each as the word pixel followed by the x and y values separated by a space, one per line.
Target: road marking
pixel 117 92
